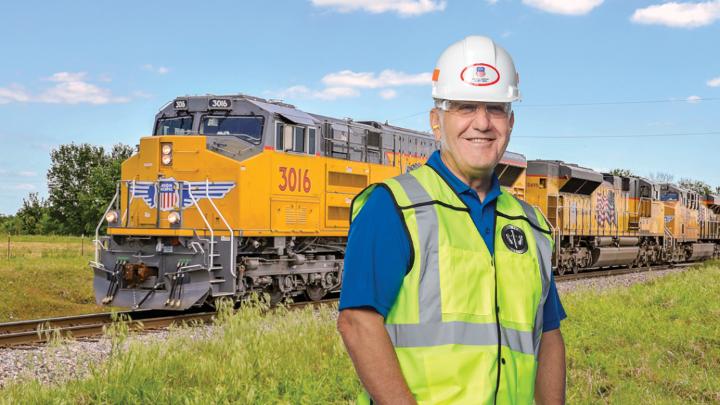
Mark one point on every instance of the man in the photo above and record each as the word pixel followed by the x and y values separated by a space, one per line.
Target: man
pixel 448 295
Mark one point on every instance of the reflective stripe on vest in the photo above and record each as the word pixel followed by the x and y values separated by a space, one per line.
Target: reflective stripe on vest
pixel 544 249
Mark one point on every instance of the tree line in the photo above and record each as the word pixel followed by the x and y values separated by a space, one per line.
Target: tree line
pixel 81 183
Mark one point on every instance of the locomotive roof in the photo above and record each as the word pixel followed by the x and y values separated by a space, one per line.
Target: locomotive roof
pixel 560 168
pixel 199 103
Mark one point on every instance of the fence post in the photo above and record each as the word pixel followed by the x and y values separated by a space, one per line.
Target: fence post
pixel 8 247
pixel 82 245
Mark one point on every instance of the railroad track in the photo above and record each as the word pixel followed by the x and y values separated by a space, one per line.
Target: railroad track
pixel 617 272
pixel 42 330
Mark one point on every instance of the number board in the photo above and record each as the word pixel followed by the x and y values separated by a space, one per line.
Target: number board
pixel 181 104
pixel 219 104
pixel 295 180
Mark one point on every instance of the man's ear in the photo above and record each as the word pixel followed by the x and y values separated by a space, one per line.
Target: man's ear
pixel 435 123
pixel 512 121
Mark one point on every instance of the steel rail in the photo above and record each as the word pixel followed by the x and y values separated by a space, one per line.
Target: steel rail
pixel 618 272
pixel 42 330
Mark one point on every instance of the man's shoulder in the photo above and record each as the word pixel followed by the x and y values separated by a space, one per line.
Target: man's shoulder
pixel 379 201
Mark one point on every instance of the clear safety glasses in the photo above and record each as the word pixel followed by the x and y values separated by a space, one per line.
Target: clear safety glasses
pixel 467 108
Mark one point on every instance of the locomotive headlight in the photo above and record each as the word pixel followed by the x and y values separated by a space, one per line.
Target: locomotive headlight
pixel 173 218
pixel 166 149
pixel 111 217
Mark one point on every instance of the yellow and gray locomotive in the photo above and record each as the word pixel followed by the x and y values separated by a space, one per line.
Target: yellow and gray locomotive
pixel 237 194
pixel 234 195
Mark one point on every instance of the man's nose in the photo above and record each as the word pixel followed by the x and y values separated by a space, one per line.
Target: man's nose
pixel 481 119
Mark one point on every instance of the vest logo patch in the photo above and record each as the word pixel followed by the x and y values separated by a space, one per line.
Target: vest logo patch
pixel 514 239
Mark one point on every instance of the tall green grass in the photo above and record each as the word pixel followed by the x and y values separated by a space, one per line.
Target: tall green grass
pixel 45 276
pixel 652 343
pixel 253 358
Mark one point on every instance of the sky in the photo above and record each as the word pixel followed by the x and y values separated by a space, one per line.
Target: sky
pixel 631 84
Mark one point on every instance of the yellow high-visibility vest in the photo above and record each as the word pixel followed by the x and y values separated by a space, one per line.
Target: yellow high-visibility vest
pixel 466 326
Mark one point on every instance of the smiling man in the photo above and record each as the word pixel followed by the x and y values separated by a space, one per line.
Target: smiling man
pixel 448 295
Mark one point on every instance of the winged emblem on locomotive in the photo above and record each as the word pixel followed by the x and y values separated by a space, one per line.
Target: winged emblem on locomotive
pixel 169 193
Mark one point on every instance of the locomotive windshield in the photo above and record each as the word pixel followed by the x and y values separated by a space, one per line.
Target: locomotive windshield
pixel 174 126
pixel 248 128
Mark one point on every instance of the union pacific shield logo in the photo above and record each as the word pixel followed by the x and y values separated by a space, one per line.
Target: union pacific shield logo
pixel 168 195
pixel 480 74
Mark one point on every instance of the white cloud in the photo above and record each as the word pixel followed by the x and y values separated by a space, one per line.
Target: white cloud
pixel 62 77
pixel 72 88
pixel 693 99
pixel 68 88
pixel 491 2
pixel 27 173
pixel 161 70
pixel 404 8
pixel 679 15
pixel 714 82
pixel 24 186
pixel 388 94
pixel 567 7
pixel 328 93
pixel 386 78
pixel 13 93
pixel 347 83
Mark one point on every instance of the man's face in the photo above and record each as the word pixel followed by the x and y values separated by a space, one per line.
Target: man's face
pixel 474 136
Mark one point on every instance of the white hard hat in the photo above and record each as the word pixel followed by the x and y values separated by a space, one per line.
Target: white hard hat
pixel 475 69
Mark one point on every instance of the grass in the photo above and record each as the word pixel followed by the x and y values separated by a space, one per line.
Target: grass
pixel 652 343
pixel 45 276
pixel 277 358
pixel 657 342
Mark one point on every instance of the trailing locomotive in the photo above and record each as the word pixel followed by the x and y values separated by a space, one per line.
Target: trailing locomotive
pixel 236 194
pixel 602 220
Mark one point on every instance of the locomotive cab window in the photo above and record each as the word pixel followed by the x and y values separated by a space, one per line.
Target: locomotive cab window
pixel 247 128
pixel 174 126
pixel 279 136
pixel 298 139
pixel 311 141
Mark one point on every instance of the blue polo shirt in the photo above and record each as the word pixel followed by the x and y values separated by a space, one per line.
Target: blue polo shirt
pixel 379 252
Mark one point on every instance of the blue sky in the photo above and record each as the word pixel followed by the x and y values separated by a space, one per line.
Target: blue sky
pixel 98 71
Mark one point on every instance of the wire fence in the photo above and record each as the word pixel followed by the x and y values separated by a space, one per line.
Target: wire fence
pixel 24 245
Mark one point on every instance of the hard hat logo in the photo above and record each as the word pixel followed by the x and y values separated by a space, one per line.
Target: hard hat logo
pixel 480 74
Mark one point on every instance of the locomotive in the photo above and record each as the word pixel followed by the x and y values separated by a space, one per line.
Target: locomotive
pixel 234 195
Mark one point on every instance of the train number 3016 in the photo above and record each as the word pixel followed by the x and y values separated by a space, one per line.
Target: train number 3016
pixel 294 180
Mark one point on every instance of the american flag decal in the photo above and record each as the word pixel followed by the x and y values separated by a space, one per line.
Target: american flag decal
pixel 605 209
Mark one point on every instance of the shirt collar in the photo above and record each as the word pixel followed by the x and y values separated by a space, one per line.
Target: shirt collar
pixel 458 185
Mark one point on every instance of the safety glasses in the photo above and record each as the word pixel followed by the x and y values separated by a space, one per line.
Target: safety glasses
pixel 467 108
